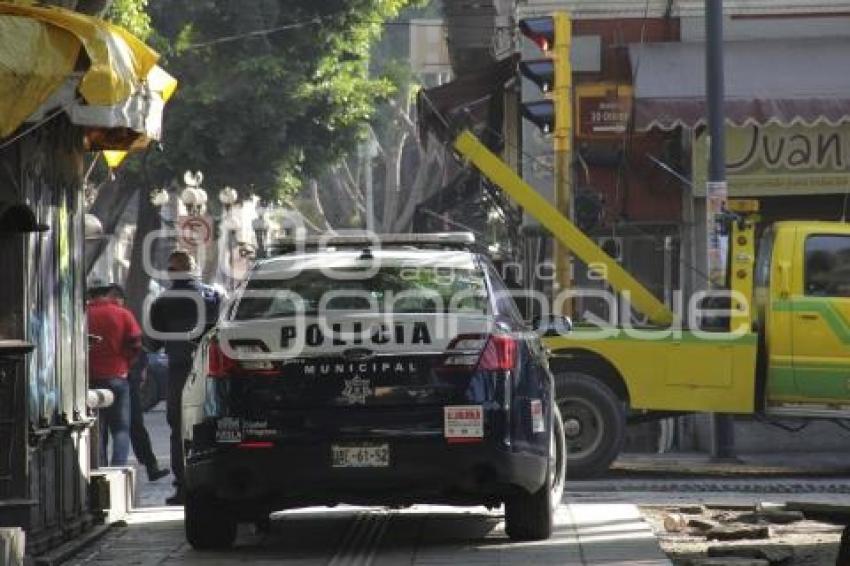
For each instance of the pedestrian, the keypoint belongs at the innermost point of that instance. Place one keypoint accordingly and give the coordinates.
(174, 318)
(139, 438)
(116, 343)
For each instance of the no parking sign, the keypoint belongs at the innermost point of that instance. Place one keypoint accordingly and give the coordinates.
(194, 231)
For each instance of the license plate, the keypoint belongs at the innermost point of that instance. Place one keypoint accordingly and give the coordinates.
(228, 430)
(360, 456)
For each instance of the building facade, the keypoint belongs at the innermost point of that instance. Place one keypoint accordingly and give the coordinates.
(640, 148)
(45, 422)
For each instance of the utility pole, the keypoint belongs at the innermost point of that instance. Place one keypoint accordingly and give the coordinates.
(716, 194)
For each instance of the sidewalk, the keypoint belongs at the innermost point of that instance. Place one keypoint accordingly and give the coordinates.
(586, 534)
(597, 533)
(612, 533)
(767, 464)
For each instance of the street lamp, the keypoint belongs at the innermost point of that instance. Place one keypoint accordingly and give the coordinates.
(227, 197)
(193, 196)
(261, 230)
(159, 197)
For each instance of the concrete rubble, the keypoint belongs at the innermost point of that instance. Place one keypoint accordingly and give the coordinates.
(718, 535)
(737, 532)
(776, 554)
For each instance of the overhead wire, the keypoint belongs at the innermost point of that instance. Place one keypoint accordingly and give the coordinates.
(319, 20)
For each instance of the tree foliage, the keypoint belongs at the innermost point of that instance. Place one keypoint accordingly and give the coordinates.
(265, 111)
(403, 172)
(131, 15)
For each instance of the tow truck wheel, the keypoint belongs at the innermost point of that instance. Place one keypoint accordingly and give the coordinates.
(208, 525)
(530, 516)
(594, 423)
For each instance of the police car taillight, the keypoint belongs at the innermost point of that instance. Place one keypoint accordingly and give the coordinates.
(492, 352)
(499, 354)
(464, 351)
(251, 357)
(218, 363)
(247, 363)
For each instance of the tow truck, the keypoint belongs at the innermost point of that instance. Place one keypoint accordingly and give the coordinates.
(779, 349)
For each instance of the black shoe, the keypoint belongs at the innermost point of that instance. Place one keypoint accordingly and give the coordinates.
(157, 473)
(179, 498)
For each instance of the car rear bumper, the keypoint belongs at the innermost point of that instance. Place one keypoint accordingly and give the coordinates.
(419, 471)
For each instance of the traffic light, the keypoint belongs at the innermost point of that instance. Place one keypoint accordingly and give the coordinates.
(541, 113)
(553, 75)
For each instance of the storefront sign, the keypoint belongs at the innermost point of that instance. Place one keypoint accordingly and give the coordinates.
(603, 110)
(776, 160)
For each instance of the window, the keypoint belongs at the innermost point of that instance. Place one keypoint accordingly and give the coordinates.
(763, 257)
(827, 269)
(505, 304)
(396, 289)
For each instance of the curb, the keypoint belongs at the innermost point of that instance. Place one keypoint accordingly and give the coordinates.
(69, 549)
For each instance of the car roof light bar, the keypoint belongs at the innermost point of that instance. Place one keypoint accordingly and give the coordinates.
(451, 240)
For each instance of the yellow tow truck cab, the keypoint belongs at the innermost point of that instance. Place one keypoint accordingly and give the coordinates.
(778, 344)
(803, 302)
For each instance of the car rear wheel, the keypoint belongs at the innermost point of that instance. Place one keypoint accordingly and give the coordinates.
(531, 516)
(208, 525)
(594, 423)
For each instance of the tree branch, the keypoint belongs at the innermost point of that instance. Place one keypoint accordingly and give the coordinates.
(428, 178)
(317, 202)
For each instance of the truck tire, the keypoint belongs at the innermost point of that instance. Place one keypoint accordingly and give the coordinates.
(531, 516)
(208, 525)
(594, 423)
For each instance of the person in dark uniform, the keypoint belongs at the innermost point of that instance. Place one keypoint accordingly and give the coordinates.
(140, 440)
(175, 314)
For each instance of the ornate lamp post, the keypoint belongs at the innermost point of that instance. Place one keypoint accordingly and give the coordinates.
(167, 209)
(159, 197)
(227, 197)
(261, 230)
(193, 196)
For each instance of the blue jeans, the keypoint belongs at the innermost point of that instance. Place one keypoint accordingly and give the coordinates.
(115, 418)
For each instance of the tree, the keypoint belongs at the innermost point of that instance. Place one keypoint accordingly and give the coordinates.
(272, 91)
(404, 172)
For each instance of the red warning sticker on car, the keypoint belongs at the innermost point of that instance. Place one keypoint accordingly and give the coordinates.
(463, 423)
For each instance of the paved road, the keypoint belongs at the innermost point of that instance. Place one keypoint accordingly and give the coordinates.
(609, 532)
(586, 534)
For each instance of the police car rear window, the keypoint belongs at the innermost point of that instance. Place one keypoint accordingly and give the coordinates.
(388, 289)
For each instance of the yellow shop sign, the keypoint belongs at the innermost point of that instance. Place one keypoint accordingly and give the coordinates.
(775, 160)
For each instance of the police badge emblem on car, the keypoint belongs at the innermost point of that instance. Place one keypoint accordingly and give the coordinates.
(356, 390)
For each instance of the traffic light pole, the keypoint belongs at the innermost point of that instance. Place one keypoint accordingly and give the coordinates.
(561, 96)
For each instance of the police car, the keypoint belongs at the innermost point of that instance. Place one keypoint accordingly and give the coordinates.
(358, 371)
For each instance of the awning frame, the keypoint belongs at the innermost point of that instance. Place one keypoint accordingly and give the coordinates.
(768, 81)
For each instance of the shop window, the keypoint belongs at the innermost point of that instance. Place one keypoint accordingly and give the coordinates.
(827, 270)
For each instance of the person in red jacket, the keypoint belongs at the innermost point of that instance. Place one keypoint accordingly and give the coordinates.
(116, 341)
